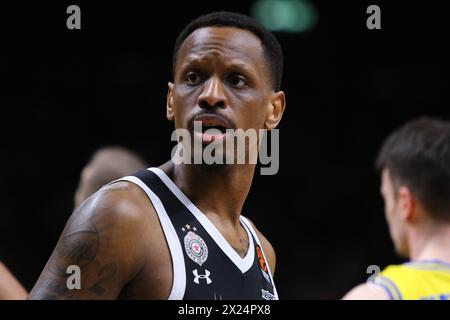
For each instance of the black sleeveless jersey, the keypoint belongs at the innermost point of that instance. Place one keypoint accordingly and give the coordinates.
(205, 266)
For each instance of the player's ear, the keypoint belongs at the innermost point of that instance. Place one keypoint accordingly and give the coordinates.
(407, 203)
(275, 110)
(169, 103)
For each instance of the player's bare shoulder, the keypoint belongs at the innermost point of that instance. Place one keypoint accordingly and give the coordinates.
(126, 199)
(120, 209)
(366, 291)
(106, 238)
(154, 278)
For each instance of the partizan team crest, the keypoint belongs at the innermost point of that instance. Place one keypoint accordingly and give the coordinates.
(195, 247)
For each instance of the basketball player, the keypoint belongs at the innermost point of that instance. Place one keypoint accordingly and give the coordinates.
(415, 167)
(10, 288)
(176, 232)
(107, 164)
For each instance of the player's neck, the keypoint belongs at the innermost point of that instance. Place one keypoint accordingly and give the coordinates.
(219, 193)
(431, 244)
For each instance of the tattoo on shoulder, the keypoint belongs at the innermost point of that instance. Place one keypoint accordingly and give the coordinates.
(107, 272)
(79, 245)
(79, 248)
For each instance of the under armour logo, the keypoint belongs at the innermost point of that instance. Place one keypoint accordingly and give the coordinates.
(202, 276)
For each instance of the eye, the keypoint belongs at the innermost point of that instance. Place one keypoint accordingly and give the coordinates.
(237, 81)
(192, 78)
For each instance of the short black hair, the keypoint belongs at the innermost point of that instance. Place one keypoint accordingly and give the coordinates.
(270, 44)
(417, 155)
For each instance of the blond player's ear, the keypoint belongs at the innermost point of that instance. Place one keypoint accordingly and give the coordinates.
(275, 110)
(169, 103)
(407, 203)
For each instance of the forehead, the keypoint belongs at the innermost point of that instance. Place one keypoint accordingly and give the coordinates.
(225, 42)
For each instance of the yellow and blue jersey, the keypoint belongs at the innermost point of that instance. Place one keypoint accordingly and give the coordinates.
(419, 280)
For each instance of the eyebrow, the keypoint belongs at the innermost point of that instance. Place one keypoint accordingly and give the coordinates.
(232, 64)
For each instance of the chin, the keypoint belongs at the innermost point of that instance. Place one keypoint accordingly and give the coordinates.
(214, 166)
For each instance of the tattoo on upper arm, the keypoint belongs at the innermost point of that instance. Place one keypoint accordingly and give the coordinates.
(106, 273)
(80, 246)
(56, 288)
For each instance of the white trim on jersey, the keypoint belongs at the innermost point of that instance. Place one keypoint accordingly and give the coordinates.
(176, 252)
(243, 264)
(253, 231)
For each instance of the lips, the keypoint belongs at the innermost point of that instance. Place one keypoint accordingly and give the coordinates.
(209, 122)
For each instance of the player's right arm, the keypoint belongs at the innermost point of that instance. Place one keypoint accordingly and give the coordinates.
(10, 287)
(104, 239)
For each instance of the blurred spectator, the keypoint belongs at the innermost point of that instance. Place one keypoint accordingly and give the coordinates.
(107, 164)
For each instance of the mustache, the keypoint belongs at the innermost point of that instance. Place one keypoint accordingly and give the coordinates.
(194, 117)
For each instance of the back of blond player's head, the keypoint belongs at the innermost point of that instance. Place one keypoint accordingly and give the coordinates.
(417, 155)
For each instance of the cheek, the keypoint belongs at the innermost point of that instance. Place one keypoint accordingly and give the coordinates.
(179, 119)
(389, 208)
(183, 103)
(394, 218)
(252, 111)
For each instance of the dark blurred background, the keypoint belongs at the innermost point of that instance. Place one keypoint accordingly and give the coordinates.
(65, 93)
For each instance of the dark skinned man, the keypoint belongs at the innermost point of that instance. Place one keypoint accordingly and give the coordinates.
(176, 232)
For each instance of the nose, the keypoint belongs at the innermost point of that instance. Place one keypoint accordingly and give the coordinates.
(213, 95)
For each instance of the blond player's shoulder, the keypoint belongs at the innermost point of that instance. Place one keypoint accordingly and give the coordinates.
(383, 287)
(367, 291)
